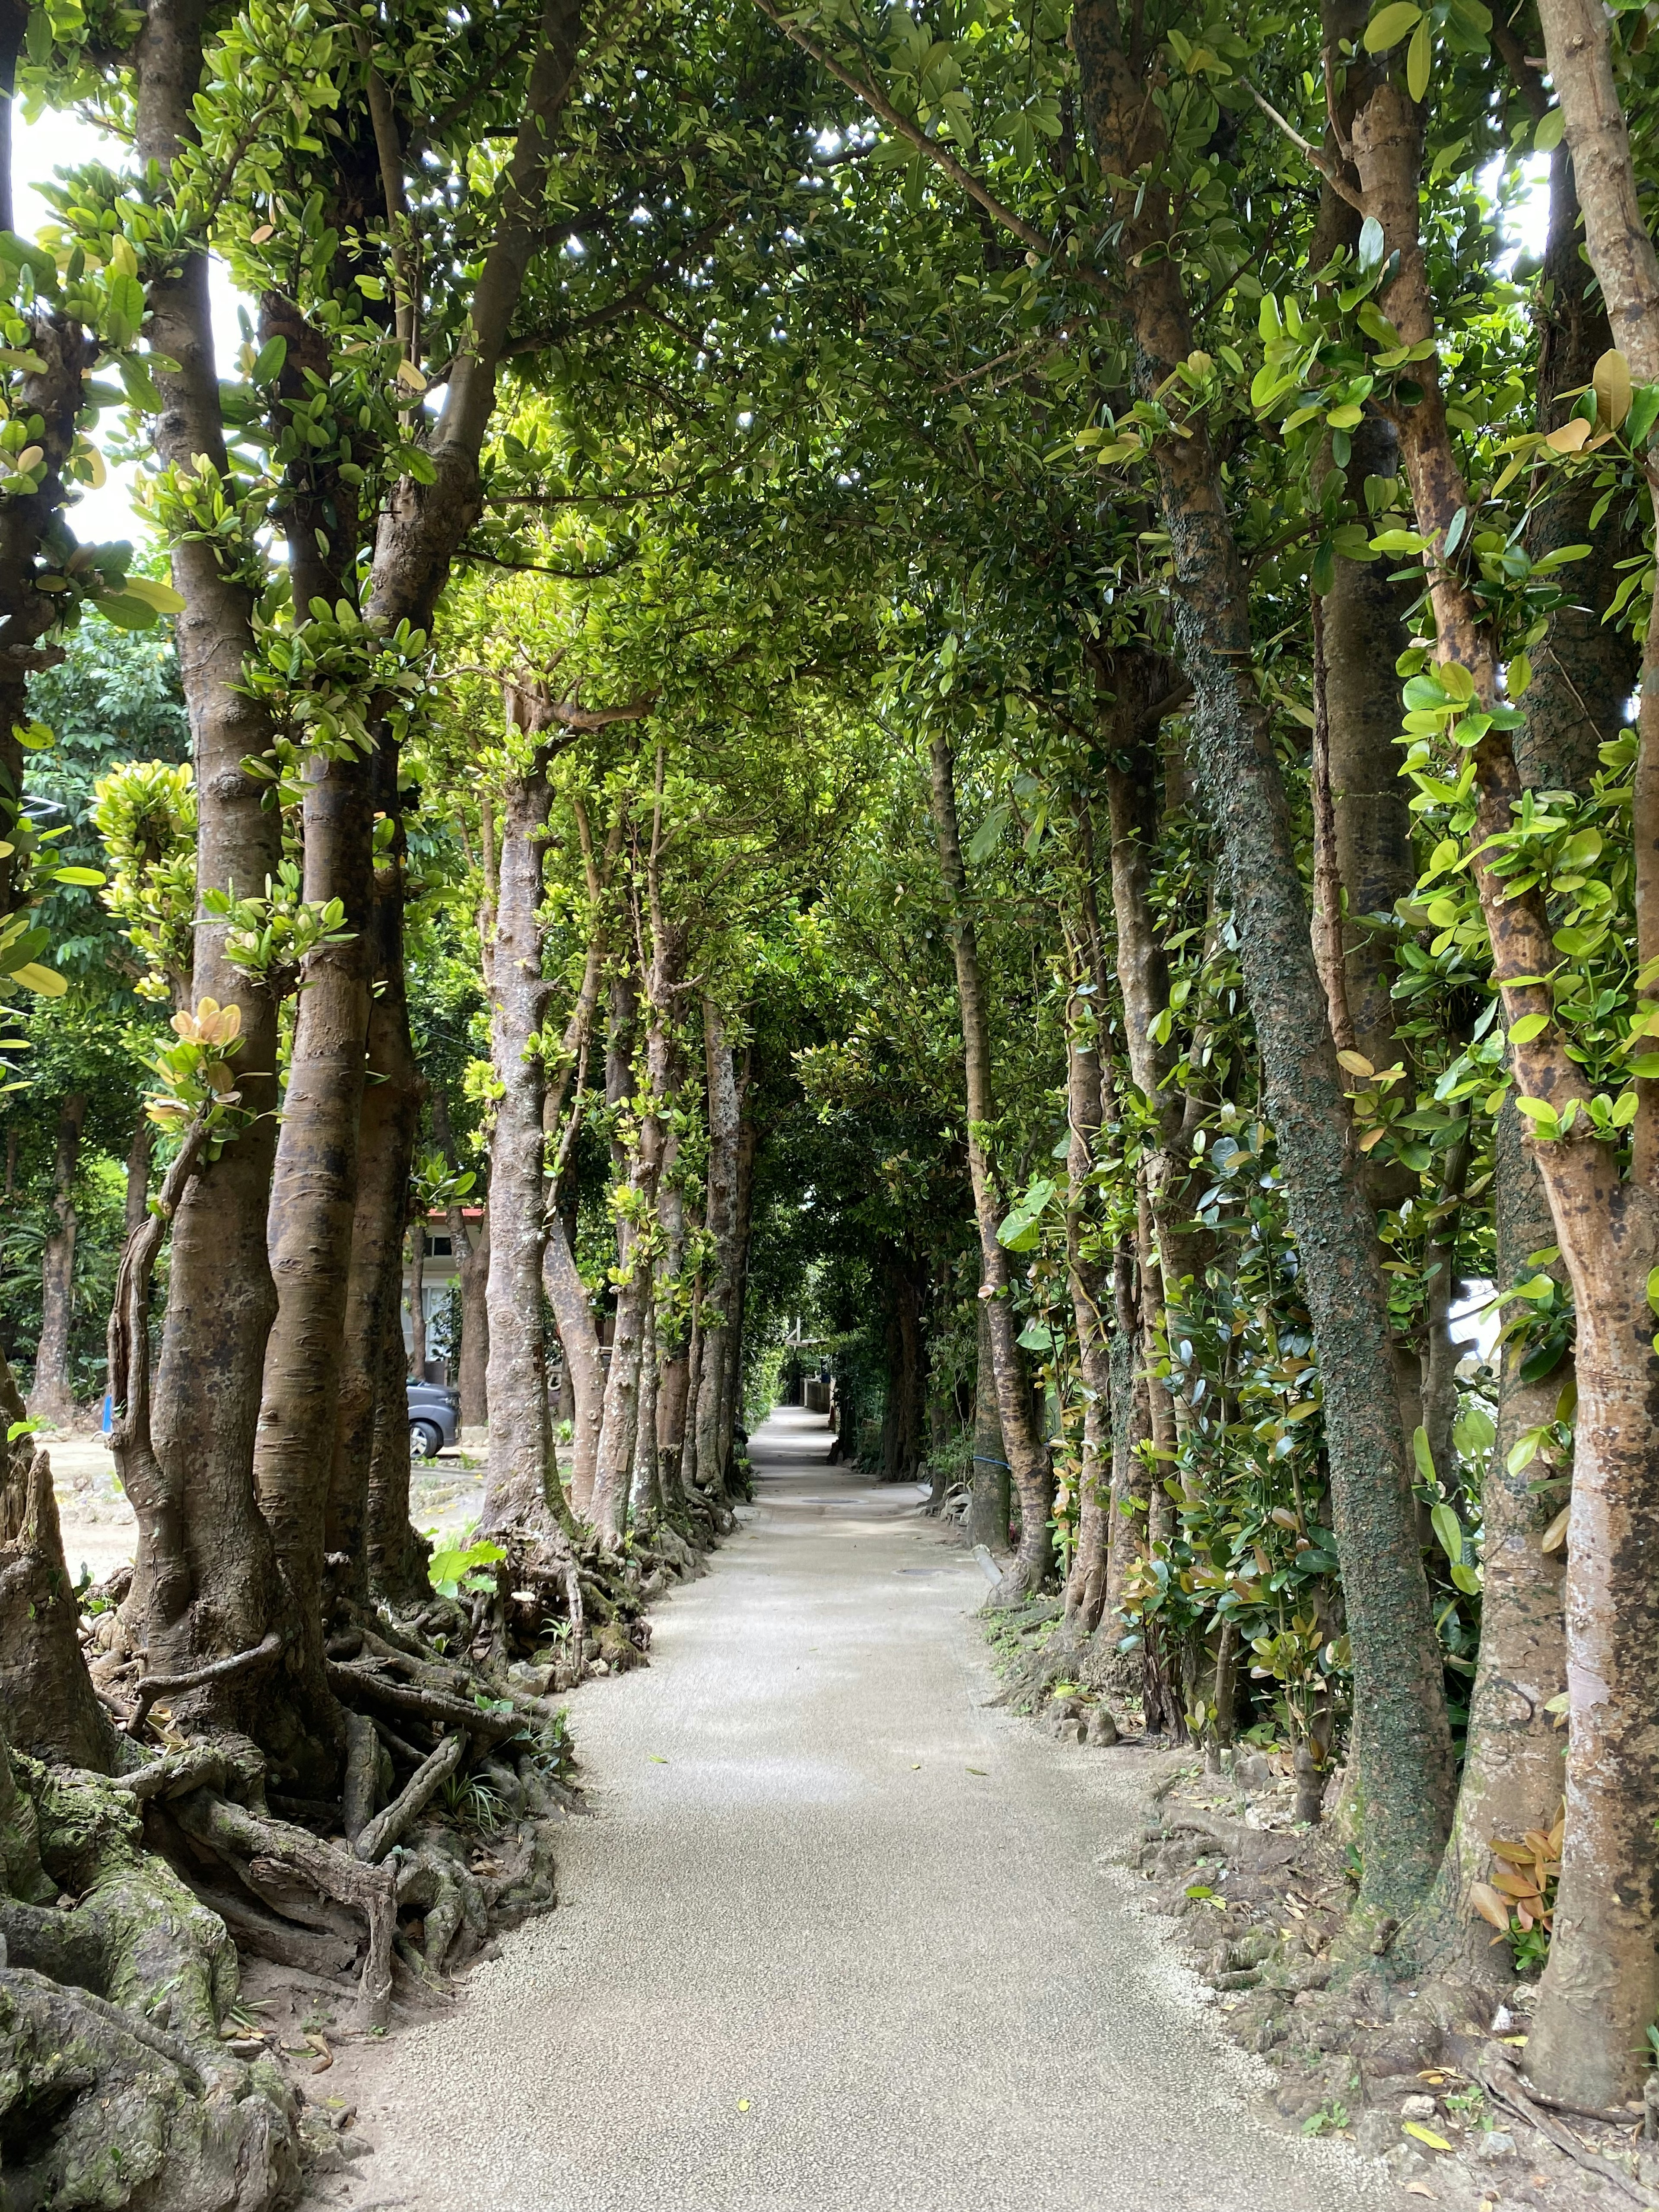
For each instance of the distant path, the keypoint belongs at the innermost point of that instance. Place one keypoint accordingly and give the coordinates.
(928, 1983)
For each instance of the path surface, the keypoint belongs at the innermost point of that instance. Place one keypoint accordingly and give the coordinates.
(826, 1881)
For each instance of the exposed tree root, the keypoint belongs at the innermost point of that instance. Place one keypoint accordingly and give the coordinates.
(129, 2074)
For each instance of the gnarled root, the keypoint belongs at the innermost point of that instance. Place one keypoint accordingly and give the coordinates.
(95, 2115)
(116, 2089)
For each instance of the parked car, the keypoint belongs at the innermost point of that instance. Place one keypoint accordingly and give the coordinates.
(434, 1418)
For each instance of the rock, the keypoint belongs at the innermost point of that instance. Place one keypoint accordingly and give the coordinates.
(1103, 1728)
(1493, 2142)
(1419, 2107)
(1405, 2046)
(1252, 1771)
(1270, 2033)
(1375, 2132)
(1408, 2163)
(1310, 1974)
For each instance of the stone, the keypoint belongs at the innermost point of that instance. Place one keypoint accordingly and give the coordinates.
(1417, 2108)
(1375, 2132)
(1252, 1771)
(1493, 2142)
(1103, 1728)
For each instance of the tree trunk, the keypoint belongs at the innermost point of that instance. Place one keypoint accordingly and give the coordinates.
(720, 1220)
(139, 1154)
(521, 1488)
(52, 1398)
(1404, 1738)
(473, 1254)
(366, 1461)
(416, 1300)
(647, 1494)
(742, 1214)
(584, 1365)
(1028, 1459)
(1085, 1588)
(1601, 1988)
(619, 1429)
(313, 1206)
(989, 1498)
(205, 1583)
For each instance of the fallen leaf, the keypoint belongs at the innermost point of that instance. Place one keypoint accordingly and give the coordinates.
(976, 1769)
(1416, 2188)
(1425, 2134)
(915, 1766)
(1519, 2041)
(743, 2104)
(655, 1762)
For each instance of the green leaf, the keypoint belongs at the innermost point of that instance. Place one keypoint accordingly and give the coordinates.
(1419, 56)
(161, 596)
(984, 840)
(1371, 243)
(90, 876)
(267, 367)
(44, 982)
(1548, 136)
(1529, 1027)
(1391, 24)
(1447, 1528)
(1422, 1455)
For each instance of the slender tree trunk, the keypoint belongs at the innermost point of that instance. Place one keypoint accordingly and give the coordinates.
(139, 1154)
(619, 1429)
(1404, 1738)
(365, 1411)
(312, 1206)
(689, 1476)
(720, 1217)
(988, 1497)
(584, 1366)
(416, 1300)
(1085, 1588)
(1601, 1989)
(671, 1320)
(522, 1488)
(742, 1209)
(647, 1470)
(473, 1255)
(1027, 1457)
(1131, 1434)
(52, 1398)
(205, 1584)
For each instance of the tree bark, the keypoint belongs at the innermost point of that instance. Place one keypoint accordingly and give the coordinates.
(52, 1398)
(139, 1154)
(725, 1118)
(989, 1499)
(1601, 1988)
(204, 1582)
(584, 1365)
(1027, 1457)
(365, 1459)
(416, 1300)
(619, 1429)
(1085, 1588)
(473, 1255)
(1404, 1738)
(522, 1488)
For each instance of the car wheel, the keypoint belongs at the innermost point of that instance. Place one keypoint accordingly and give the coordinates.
(425, 1441)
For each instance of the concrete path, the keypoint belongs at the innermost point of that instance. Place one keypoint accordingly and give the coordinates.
(840, 1939)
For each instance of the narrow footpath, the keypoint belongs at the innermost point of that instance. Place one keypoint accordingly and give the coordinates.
(839, 1937)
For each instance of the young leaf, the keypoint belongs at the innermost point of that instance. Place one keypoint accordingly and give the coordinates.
(1389, 25)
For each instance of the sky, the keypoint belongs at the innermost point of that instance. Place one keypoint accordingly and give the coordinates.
(64, 142)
